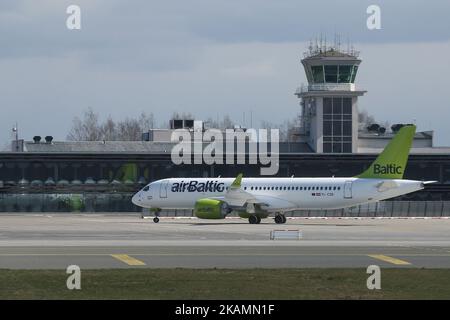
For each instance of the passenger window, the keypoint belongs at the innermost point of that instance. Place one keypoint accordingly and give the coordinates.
(146, 188)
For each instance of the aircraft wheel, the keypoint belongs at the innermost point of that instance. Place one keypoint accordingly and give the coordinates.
(284, 218)
(259, 220)
(253, 220)
(279, 219)
(155, 219)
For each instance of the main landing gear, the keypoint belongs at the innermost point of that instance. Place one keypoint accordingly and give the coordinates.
(280, 218)
(254, 219)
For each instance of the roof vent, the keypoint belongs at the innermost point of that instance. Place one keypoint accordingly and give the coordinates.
(37, 139)
(48, 139)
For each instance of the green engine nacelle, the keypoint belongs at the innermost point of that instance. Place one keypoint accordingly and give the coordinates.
(211, 209)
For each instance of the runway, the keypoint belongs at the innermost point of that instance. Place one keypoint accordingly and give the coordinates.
(54, 241)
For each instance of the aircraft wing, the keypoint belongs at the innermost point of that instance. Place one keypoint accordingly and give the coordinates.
(270, 203)
(236, 197)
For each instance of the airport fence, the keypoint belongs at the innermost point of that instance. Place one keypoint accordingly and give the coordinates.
(121, 203)
(67, 202)
(380, 209)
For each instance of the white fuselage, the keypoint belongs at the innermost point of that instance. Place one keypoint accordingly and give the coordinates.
(283, 194)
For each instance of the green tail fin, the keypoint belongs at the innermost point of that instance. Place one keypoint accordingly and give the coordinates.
(391, 163)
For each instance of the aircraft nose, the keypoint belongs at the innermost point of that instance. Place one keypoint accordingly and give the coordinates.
(136, 199)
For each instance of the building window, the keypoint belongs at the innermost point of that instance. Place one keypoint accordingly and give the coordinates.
(337, 125)
(317, 73)
(354, 70)
(345, 73)
(334, 73)
(331, 74)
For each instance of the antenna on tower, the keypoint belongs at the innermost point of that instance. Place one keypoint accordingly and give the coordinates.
(320, 44)
(339, 42)
(348, 44)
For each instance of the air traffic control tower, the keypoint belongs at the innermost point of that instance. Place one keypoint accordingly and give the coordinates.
(329, 118)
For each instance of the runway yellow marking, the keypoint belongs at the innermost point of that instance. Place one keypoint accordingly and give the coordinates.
(128, 260)
(389, 259)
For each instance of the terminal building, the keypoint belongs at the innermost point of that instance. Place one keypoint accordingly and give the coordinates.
(329, 141)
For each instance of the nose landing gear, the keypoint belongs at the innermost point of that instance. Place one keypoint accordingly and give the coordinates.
(156, 218)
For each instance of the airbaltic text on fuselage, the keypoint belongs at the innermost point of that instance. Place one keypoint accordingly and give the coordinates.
(387, 169)
(195, 186)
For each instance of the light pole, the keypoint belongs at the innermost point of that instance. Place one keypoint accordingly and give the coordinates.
(16, 133)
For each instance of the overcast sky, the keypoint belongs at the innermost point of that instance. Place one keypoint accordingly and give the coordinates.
(213, 57)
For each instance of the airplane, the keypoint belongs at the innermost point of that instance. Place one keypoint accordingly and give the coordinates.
(257, 198)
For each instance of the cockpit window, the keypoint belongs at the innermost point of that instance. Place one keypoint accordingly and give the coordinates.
(146, 188)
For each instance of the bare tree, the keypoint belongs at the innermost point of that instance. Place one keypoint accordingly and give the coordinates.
(146, 121)
(365, 120)
(87, 129)
(226, 123)
(129, 130)
(109, 130)
(213, 124)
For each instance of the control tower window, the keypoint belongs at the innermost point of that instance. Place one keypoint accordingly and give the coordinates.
(331, 73)
(355, 69)
(345, 73)
(337, 125)
(334, 74)
(317, 72)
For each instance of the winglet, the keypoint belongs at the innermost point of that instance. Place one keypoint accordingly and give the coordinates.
(237, 182)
